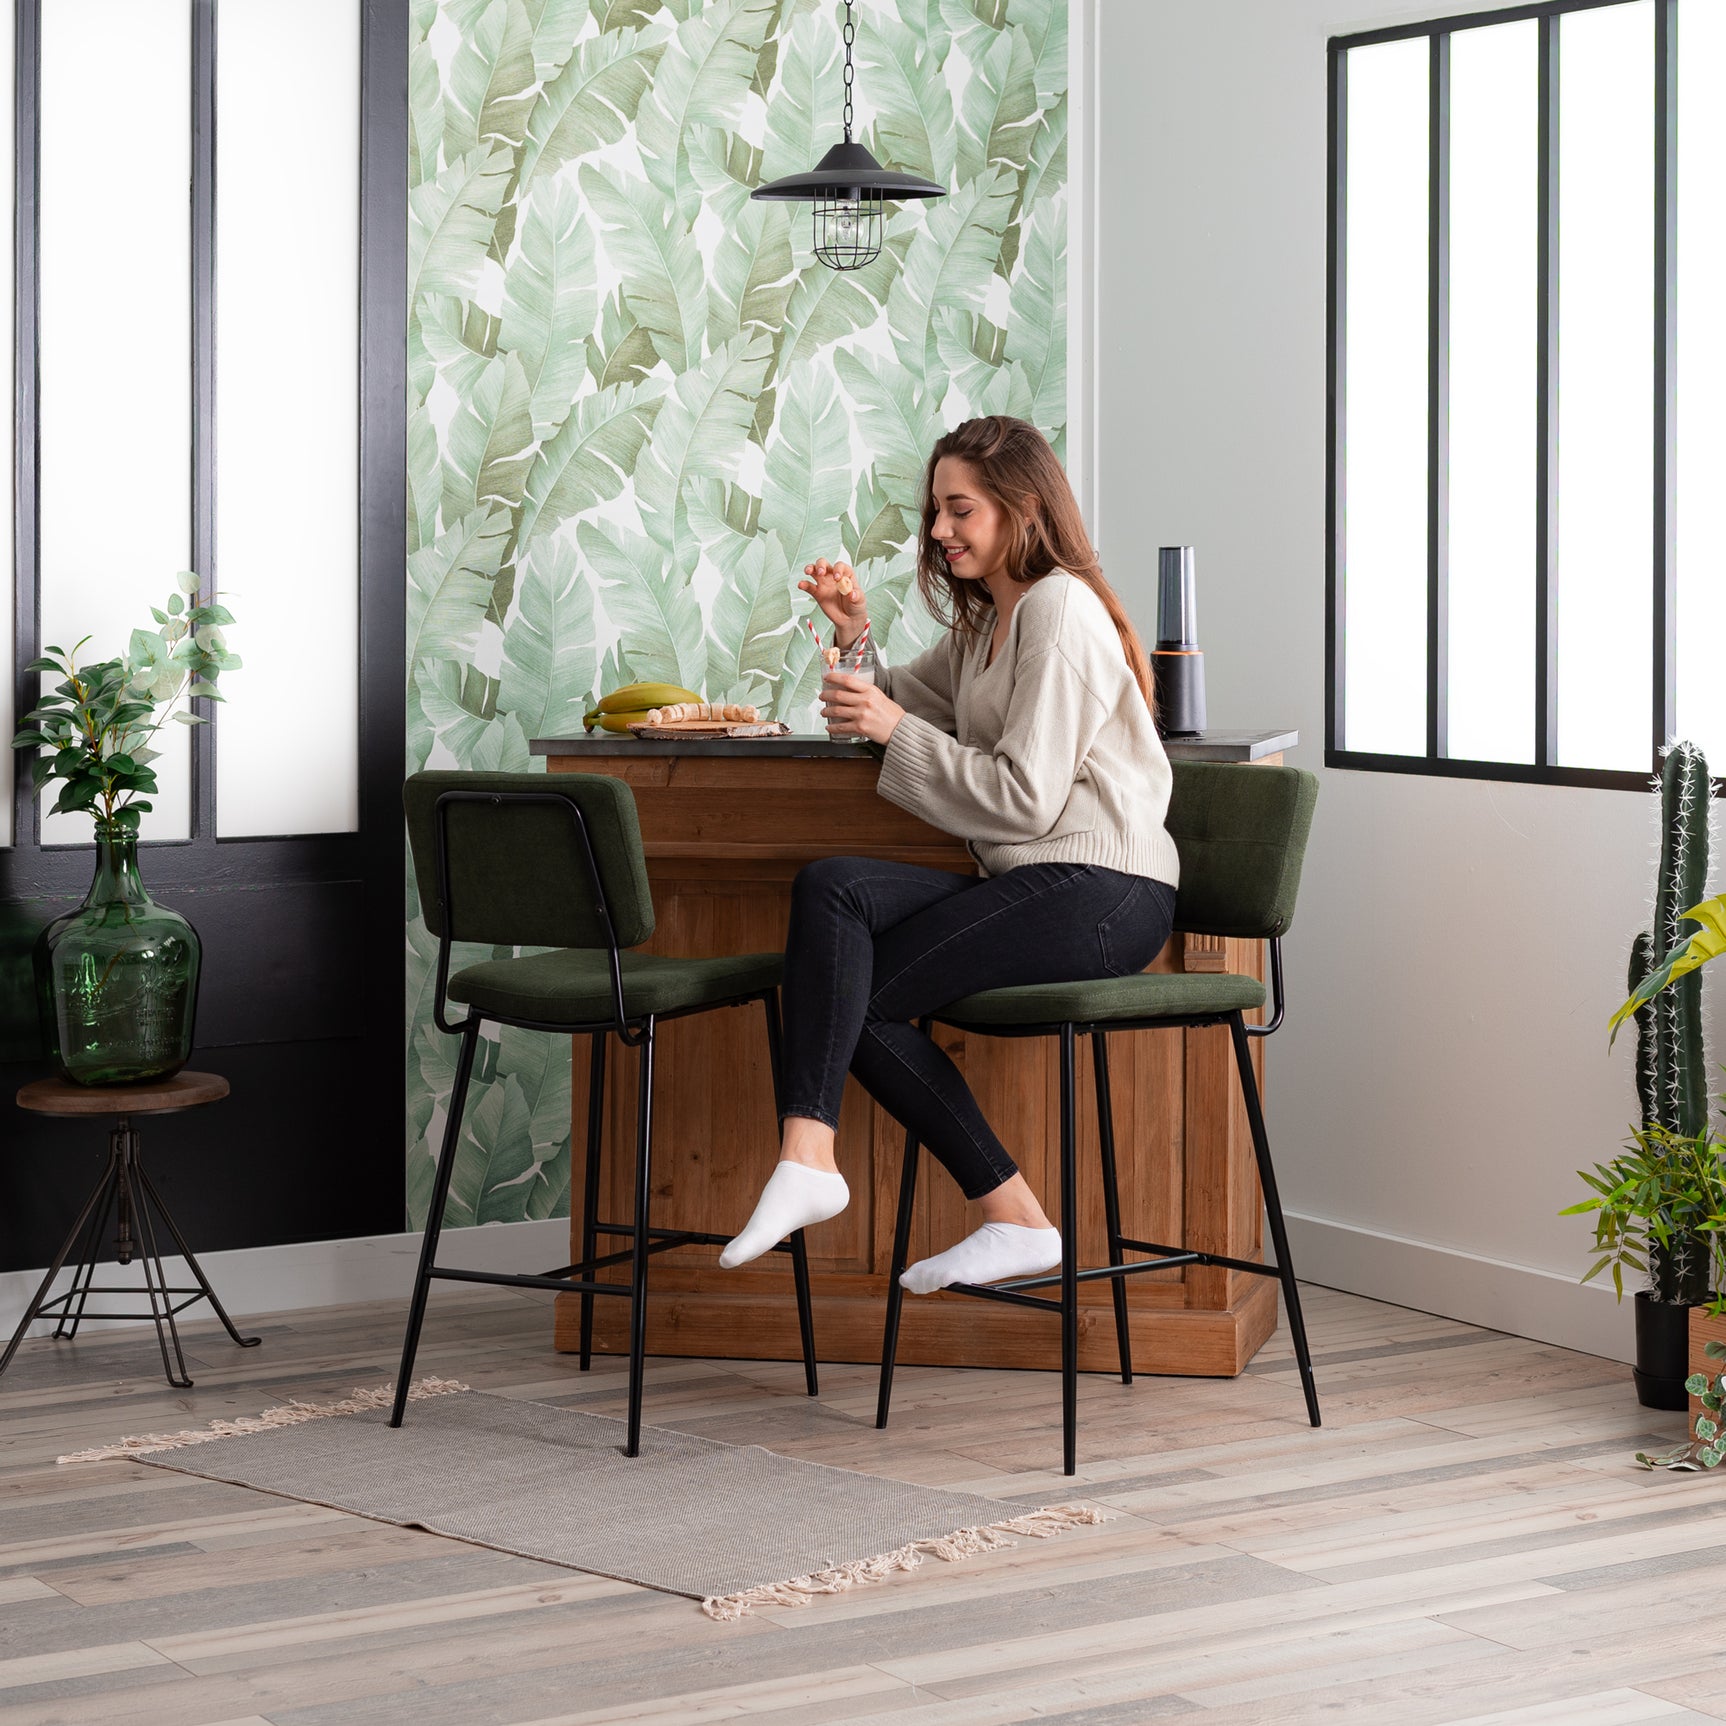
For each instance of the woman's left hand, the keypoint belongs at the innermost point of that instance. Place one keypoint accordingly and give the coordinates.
(852, 704)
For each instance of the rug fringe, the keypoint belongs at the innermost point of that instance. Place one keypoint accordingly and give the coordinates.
(290, 1413)
(1042, 1524)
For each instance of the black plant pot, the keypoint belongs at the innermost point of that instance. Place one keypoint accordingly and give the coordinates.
(1662, 1352)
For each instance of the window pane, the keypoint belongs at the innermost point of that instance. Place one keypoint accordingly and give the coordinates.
(287, 427)
(1702, 377)
(1606, 387)
(1383, 532)
(115, 352)
(1494, 284)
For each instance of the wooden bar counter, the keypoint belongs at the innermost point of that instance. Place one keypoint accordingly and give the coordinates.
(726, 827)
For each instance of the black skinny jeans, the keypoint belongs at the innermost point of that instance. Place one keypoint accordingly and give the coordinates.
(874, 946)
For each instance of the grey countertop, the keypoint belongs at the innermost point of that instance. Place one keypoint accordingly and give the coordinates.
(1230, 745)
(1208, 746)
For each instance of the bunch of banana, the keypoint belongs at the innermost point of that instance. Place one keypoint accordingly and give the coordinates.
(632, 704)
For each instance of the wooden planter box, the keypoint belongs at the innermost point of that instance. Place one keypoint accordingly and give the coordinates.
(1704, 1330)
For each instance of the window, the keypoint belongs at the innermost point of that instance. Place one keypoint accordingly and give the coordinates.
(190, 345)
(1526, 518)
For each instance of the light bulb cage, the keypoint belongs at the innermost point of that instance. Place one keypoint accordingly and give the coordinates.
(848, 231)
(849, 190)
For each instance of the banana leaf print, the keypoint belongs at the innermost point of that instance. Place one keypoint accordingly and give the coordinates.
(550, 302)
(638, 405)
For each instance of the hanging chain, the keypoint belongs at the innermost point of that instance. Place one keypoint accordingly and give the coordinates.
(850, 76)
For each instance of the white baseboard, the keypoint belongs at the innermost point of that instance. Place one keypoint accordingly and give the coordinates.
(1443, 1280)
(1461, 1285)
(308, 1273)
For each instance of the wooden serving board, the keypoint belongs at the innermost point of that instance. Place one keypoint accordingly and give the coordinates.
(698, 728)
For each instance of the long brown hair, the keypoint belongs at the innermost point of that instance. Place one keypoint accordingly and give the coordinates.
(1016, 467)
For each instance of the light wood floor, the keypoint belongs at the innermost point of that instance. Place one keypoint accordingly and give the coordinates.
(1467, 1540)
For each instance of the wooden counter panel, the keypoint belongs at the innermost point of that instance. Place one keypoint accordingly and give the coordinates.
(724, 839)
(936, 1330)
(722, 809)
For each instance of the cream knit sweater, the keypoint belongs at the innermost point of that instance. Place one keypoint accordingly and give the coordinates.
(1047, 756)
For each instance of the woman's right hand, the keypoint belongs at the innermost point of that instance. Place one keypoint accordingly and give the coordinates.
(836, 589)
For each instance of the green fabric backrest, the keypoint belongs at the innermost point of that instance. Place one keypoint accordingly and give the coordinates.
(1241, 832)
(518, 875)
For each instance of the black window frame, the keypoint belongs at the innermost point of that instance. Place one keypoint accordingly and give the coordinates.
(302, 986)
(32, 866)
(1435, 761)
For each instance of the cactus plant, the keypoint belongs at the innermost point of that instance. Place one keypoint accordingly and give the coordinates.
(1671, 1076)
(1647, 1091)
(1671, 1024)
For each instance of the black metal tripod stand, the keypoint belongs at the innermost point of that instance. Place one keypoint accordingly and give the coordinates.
(128, 1196)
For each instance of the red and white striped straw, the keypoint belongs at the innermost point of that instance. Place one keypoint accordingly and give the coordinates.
(862, 642)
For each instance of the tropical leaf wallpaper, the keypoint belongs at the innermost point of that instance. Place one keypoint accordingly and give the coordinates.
(638, 406)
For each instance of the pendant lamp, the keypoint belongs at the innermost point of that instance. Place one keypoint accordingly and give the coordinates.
(848, 189)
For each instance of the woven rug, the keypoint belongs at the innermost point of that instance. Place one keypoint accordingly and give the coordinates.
(733, 1526)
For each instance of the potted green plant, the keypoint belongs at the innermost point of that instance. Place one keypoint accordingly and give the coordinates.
(1660, 1206)
(1655, 1195)
(1707, 1322)
(117, 978)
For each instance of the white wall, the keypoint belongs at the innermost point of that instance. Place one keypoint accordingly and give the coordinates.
(1460, 944)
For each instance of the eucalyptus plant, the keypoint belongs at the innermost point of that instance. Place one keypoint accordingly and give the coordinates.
(1706, 1446)
(96, 723)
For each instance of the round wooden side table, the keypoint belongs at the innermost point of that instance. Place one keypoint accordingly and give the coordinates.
(128, 1193)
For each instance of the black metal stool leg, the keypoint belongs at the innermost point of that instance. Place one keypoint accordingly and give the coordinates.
(132, 1205)
(1112, 1198)
(638, 1259)
(805, 1312)
(1069, 1259)
(901, 1252)
(590, 1184)
(799, 1250)
(185, 1252)
(103, 1187)
(88, 1256)
(896, 1294)
(1274, 1212)
(434, 1216)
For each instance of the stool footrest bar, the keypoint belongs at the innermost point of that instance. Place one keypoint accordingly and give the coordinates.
(985, 1291)
(1101, 1273)
(45, 1310)
(622, 1258)
(561, 1285)
(1189, 1256)
(679, 1237)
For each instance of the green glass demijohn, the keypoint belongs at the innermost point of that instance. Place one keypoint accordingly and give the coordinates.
(117, 979)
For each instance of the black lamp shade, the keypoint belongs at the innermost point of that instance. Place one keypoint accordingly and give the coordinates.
(850, 173)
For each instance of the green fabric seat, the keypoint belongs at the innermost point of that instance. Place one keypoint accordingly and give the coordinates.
(1242, 838)
(1151, 995)
(573, 986)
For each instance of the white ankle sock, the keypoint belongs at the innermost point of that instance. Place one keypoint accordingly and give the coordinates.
(795, 1196)
(995, 1251)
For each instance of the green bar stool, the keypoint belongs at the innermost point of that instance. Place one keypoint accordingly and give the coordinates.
(537, 860)
(1241, 832)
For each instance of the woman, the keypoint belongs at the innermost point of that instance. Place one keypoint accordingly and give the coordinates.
(1027, 731)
